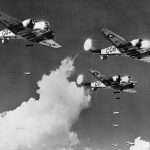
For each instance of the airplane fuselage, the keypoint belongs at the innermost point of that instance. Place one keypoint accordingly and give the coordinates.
(115, 85)
(144, 53)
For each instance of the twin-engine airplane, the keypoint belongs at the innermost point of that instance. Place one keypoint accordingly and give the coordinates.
(138, 48)
(117, 82)
(31, 30)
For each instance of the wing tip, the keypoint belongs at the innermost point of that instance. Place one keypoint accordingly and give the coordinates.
(55, 44)
(104, 29)
(58, 46)
(106, 32)
(90, 70)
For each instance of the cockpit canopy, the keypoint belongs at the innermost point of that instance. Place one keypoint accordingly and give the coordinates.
(137, 42)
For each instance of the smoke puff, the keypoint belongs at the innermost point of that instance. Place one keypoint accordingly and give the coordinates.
(140, 144)
(134, 42)
(45, 124)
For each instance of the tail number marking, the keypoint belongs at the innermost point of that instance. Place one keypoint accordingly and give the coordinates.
(111, 49)
(6, 32)
(98, 84)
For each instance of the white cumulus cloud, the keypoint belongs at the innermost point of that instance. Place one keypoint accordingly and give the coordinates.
(140, 144)
(45, 124)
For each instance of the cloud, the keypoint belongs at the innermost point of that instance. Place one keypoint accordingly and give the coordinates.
(140, 144)
(90, 148)
(45, 124)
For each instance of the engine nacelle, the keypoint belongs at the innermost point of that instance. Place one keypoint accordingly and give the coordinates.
(32, 24)
(43, 25)
(137, 43)
(104, 57)
(29, 23)
(125, 79)
(117, 78)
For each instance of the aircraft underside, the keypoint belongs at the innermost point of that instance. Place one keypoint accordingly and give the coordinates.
(145, 59)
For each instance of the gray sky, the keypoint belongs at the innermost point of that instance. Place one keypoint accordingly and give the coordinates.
(73, 21)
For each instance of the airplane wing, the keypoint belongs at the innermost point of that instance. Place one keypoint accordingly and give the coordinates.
(115, 39)
(50, 42)
(11, 23)
(17, 28)
(103, 78)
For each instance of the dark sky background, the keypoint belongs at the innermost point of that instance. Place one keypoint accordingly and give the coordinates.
(73, 21)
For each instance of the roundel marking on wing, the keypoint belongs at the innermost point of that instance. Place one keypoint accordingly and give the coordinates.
(110, 35)
(116, 42)
(95, 73)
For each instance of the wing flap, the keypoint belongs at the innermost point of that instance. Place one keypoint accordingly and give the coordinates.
(50, 42)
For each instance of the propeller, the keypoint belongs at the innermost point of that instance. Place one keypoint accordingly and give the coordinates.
(80, 79)
(88, 44)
